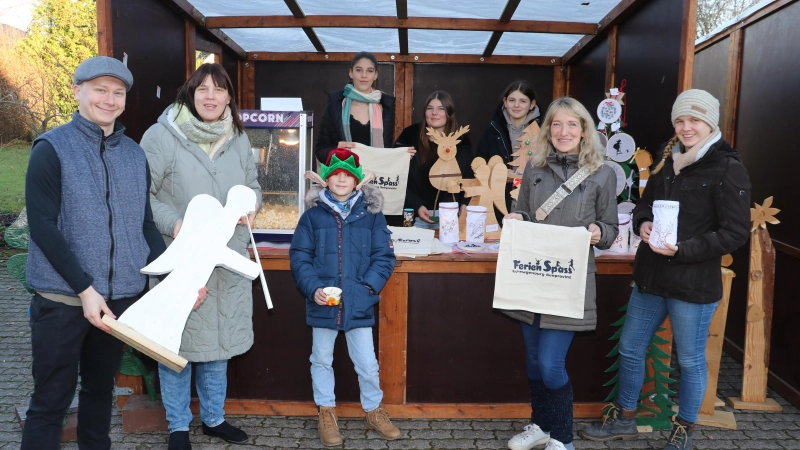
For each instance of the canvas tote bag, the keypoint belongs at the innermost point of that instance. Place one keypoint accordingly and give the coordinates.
(542, 269)
(390, 166)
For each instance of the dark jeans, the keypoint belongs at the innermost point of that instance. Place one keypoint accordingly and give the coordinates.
(65, 345)
(546, 353)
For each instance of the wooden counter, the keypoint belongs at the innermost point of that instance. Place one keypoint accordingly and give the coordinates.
(443, 351)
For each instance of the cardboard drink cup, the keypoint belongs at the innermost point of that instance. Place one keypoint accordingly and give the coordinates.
(334, 295)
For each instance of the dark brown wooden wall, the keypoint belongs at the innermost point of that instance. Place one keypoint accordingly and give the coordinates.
(311, 81)
(477, 90)
(648, 57)
(156, 55)
(587, 77)
(711, 72)
(765, 130)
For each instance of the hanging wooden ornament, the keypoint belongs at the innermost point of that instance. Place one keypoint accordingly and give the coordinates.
(445, 171)
(609, 110)
(527, 147)
(643, 160)
(621, 177)
(620, 147)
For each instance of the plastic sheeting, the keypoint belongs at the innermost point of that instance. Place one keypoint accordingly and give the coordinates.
(376, 40)
(747, 13)
(419, 41)
(270, 39)
(536, 44)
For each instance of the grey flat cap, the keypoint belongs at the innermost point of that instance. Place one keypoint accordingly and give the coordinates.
(101, 66)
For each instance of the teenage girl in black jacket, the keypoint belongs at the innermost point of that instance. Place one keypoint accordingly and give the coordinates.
(440, 115)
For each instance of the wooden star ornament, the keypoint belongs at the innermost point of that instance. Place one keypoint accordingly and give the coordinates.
(760, 215)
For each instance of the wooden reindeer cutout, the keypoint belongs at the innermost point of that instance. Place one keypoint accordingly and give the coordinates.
(445, 173)
(643, 161)
(527, 147)
(488, 190)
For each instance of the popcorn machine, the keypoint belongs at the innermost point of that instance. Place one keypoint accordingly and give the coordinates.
(282, 147)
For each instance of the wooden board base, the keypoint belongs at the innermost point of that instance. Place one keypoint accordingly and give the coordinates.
(644, 429)
(768, 405)
(145, 345)
(720, 419)
(718, 403)
(141, 415)
(407, 411)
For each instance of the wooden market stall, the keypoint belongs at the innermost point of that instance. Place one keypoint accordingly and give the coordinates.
(751, 65)
(443, 351)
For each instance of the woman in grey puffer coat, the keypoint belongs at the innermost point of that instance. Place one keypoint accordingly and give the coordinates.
(198, 147)
(568, 142)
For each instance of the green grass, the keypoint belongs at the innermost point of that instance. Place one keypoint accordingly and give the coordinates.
(13, 165)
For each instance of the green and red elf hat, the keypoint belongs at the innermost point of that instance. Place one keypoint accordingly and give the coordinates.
(341, 160)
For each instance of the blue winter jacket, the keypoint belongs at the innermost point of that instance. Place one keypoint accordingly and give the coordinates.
(353, 254)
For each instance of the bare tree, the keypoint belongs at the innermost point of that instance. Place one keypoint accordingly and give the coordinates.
(713, 13)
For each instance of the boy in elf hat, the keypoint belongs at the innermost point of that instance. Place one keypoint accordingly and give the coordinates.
(342, 241)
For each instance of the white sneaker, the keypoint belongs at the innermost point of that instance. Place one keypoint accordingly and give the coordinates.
(531, 437)
(553, 444)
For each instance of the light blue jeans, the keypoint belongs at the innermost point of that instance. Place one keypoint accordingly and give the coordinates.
(690, 322)
(362, 353)
(211, 381)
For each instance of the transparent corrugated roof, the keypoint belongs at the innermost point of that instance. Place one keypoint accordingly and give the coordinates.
(729, 23)
(216, 8)
(487, 9)
(535, 44)
(448, 41)
(419, 41)
(271, 39)
(564, 10)
(348, 7)
(375, 40)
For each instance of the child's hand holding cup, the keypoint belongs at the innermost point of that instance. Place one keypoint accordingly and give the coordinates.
(333, 296)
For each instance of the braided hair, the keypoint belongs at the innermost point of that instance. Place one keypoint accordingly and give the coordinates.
(667, 152)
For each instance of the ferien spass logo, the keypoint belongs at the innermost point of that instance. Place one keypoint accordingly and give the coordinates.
(546, 268)
(387, 183)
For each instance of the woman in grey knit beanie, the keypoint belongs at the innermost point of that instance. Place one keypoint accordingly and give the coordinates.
(701, 172)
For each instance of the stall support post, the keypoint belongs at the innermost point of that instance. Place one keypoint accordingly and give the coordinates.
(392, 338)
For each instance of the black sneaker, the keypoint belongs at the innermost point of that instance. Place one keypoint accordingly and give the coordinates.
(681, 436)
(179, 440)
(226, 432)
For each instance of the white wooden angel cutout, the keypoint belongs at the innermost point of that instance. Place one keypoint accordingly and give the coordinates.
(155, 323)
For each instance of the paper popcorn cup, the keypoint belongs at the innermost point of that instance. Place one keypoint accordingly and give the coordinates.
(334, 295)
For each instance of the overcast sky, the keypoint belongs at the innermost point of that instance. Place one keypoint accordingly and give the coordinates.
(16, 13)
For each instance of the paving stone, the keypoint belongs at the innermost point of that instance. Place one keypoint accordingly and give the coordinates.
(271, 441)
(410, 444)
(713, 444)
(454, 443)
(450, 425)
(473, 434)
(307, 443)
(493, 426)
(430, 434)
(365, 443)
(407, 424)
(372, 434)
(790, 444)
(490, 444)
(757, 444)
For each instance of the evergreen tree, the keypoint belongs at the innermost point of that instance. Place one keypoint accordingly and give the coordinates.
(62, 34)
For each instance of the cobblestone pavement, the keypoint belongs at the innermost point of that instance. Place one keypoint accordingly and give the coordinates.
(756, 430)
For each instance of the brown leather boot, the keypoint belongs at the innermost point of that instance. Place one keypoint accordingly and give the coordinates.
(328, 427)
(378, 420)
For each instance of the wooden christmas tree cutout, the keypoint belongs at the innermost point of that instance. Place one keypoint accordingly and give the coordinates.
(445, 173)
(527, 147)
(154, 324)
(758, 327)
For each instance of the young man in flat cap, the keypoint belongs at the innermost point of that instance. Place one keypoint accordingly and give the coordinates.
(92, 230)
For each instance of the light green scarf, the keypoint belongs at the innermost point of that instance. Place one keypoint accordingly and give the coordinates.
(207, 136)
(375, 114)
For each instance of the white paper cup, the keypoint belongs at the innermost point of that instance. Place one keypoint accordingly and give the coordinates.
(448, 222)
(665, 223)
(476, 224)
(334, 295)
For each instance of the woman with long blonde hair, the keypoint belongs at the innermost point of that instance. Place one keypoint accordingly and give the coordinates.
(567, 144)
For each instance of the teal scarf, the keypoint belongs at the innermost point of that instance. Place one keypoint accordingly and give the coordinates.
(375, 115)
